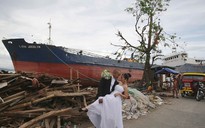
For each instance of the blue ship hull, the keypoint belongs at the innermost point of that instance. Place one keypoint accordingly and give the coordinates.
(55, 60)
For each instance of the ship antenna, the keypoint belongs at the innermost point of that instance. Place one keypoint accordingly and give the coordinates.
(49, 38)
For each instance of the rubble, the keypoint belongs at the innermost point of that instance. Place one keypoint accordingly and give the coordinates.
(44, 101)
(139, 104)
(30, 100)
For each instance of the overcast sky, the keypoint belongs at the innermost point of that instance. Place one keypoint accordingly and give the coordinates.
(92, 24)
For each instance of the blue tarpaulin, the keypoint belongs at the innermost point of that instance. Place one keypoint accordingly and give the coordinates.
(167, 70)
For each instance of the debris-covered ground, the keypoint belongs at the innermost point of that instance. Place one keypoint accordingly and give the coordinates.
(31, 100)
(139, 104)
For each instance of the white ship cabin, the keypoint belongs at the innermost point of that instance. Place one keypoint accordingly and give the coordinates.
(177, 59)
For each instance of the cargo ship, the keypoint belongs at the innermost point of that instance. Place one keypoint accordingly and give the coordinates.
(65, 62)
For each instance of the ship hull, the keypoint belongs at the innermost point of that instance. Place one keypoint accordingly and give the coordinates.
(49, 59)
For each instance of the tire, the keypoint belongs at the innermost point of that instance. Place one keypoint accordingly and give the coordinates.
(182, 94)
(198, 96)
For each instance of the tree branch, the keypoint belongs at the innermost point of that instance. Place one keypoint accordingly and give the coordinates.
(126, 42)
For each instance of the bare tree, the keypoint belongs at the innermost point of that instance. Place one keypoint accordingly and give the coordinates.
(149, 31)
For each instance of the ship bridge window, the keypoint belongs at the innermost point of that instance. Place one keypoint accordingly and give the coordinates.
(10, 42)
(198, 60)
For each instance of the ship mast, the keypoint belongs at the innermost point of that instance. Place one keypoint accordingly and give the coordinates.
(49, 38)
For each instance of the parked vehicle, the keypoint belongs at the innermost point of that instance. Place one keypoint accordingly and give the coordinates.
(200, 91)
(191, 82)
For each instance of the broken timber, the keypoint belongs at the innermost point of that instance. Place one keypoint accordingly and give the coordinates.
(28, 100)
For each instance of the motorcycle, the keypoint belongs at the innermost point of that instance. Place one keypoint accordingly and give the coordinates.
(200, 94)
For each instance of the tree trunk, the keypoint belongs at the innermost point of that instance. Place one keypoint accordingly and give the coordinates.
(147, 69)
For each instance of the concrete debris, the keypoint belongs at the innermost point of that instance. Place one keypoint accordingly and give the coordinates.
(139, 104)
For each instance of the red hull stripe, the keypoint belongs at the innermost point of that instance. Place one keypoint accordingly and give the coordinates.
(70, 71)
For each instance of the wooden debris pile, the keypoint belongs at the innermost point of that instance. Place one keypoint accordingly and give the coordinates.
(30, 100)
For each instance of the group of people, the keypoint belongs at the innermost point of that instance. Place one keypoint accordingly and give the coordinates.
(106, 111)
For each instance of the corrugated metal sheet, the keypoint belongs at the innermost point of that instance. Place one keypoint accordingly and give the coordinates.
(190, 68)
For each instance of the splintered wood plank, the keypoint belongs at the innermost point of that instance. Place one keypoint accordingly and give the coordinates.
(46, 115)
